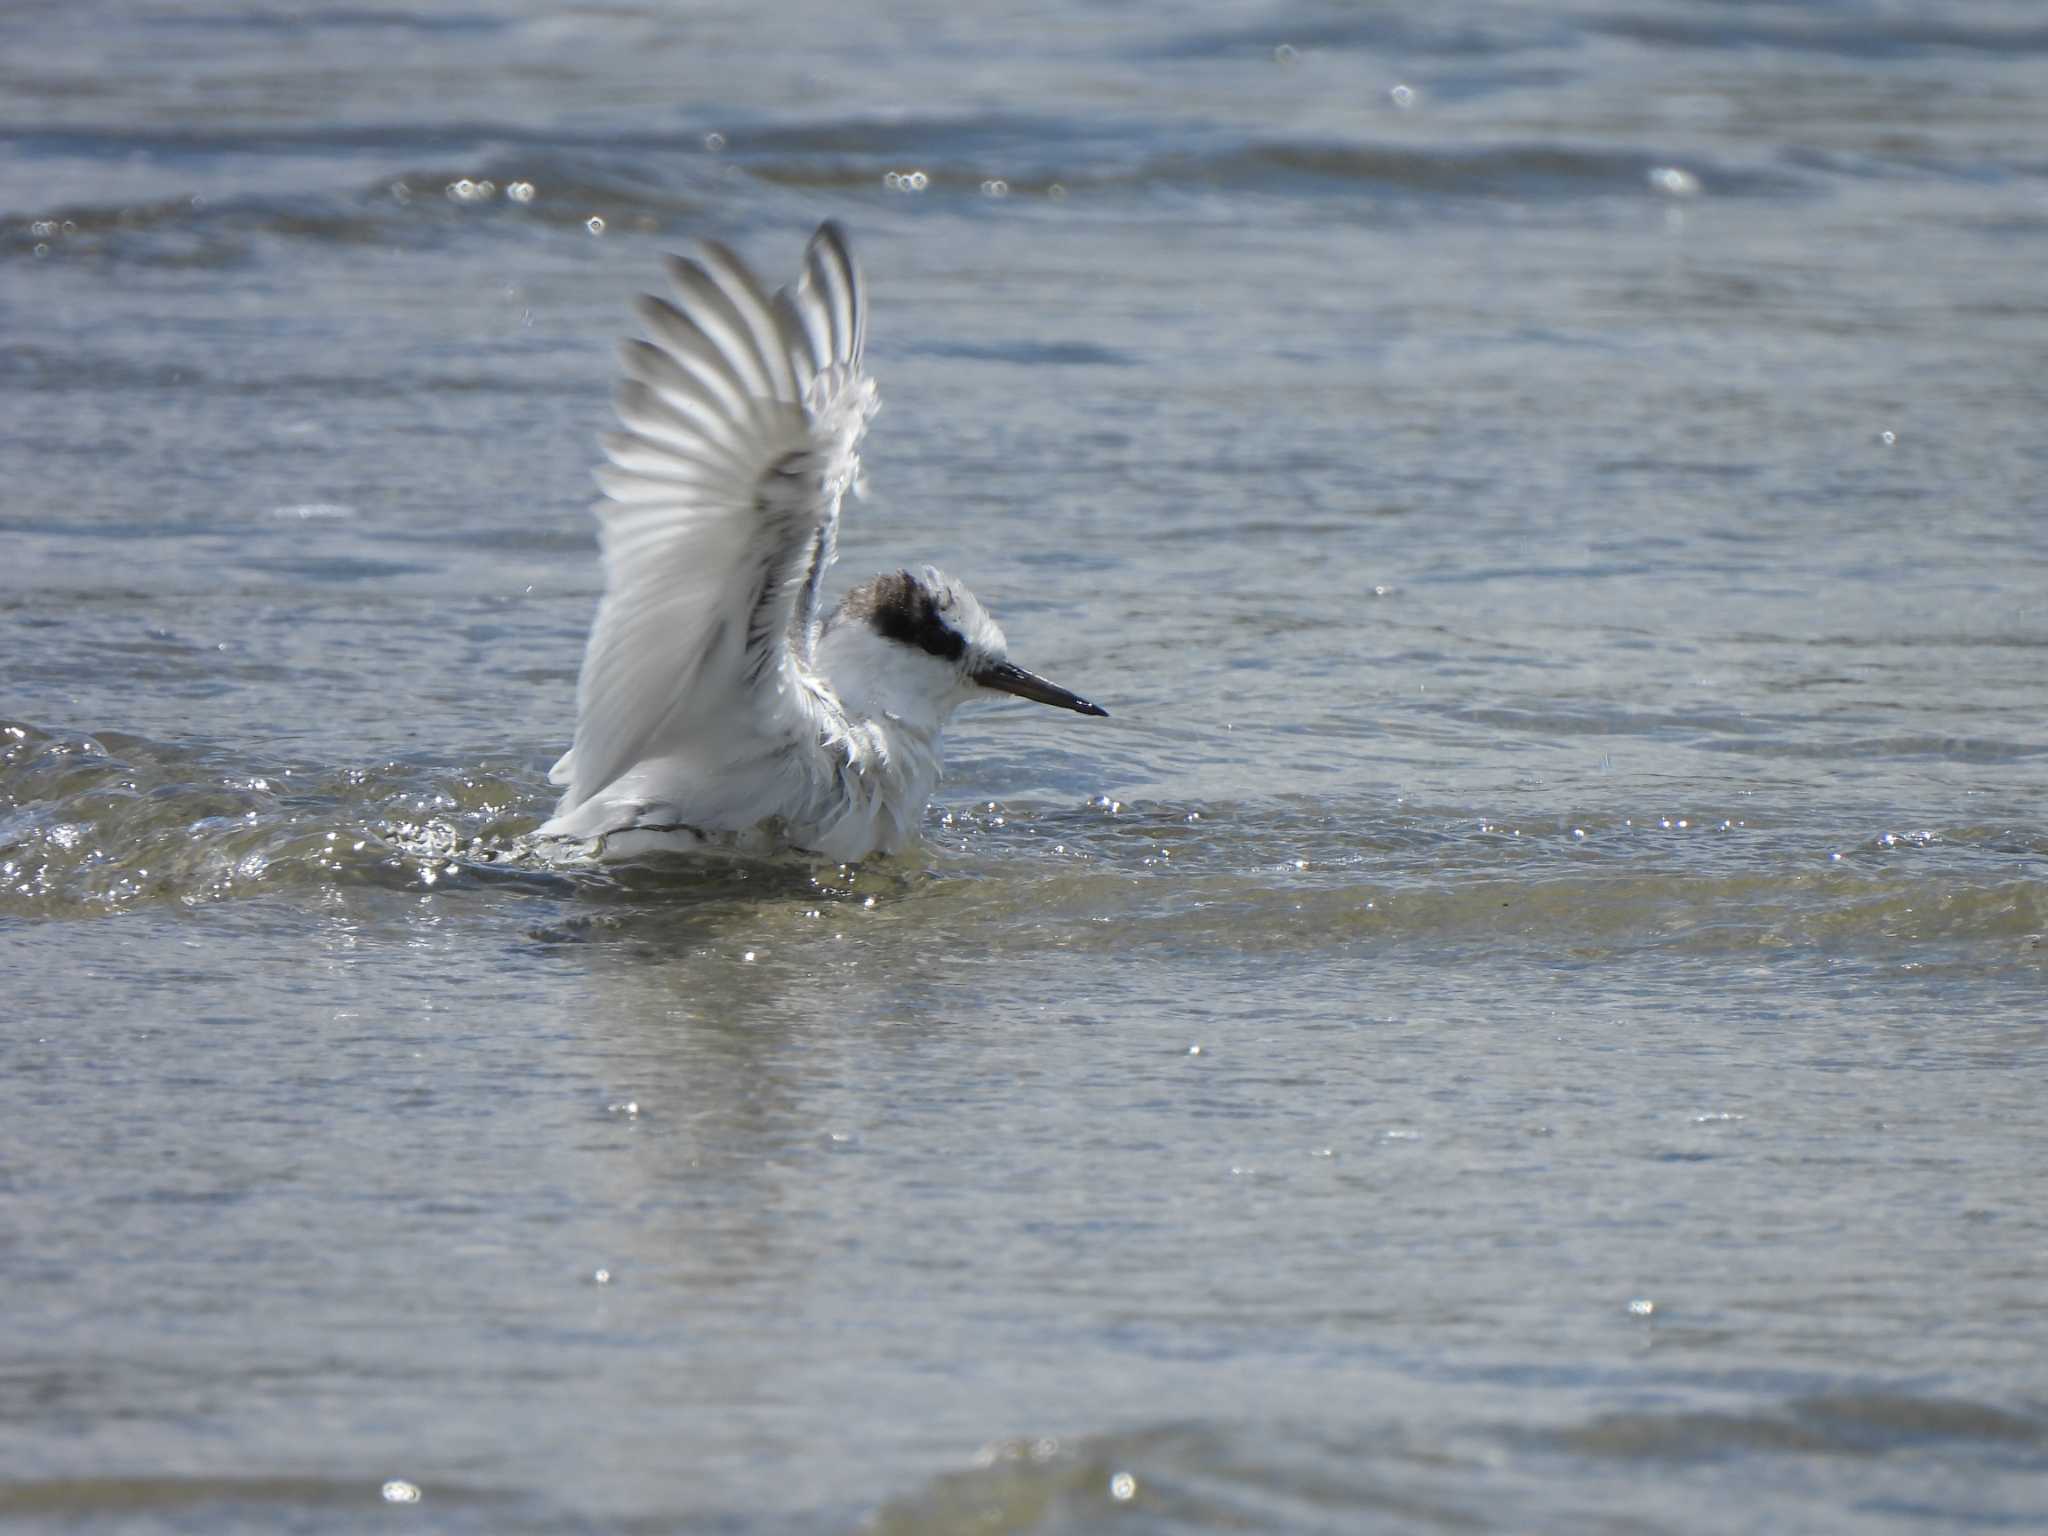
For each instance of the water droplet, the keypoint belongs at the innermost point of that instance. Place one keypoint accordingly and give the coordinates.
(748, 957)
(399, 1491)
(995, 187)
(714, 141)
(1642, 1306)
(600, 1277)
(1673, 182)
(1402, 96)
(594, 224)
(1123, 1487)
(1887, 437)
(1285, 54)
(1194, 1050)
(520, 191)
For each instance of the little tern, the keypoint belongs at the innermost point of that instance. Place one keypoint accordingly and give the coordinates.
(718, 702)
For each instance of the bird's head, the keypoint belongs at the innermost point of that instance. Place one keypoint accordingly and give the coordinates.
(917, 644)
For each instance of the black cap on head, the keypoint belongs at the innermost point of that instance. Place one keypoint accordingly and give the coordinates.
(904, 609)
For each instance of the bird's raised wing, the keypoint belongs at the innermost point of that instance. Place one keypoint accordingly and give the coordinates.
(743, 417)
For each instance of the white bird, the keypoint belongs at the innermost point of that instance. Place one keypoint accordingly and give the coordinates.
(718, 702)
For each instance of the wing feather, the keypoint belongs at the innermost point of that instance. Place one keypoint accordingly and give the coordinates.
(742, 418)
(832, 277)
(714, 313)
(693, 350)
(809, 350)
(824, 314)
(756, 312)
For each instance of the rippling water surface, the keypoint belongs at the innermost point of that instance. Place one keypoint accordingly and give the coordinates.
(1531, 1014)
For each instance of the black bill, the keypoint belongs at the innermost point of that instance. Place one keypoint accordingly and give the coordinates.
(1005, 677)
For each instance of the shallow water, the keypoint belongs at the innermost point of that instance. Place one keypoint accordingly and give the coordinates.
(1528, 1016)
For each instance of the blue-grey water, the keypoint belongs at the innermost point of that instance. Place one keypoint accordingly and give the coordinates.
(1532, 1015)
